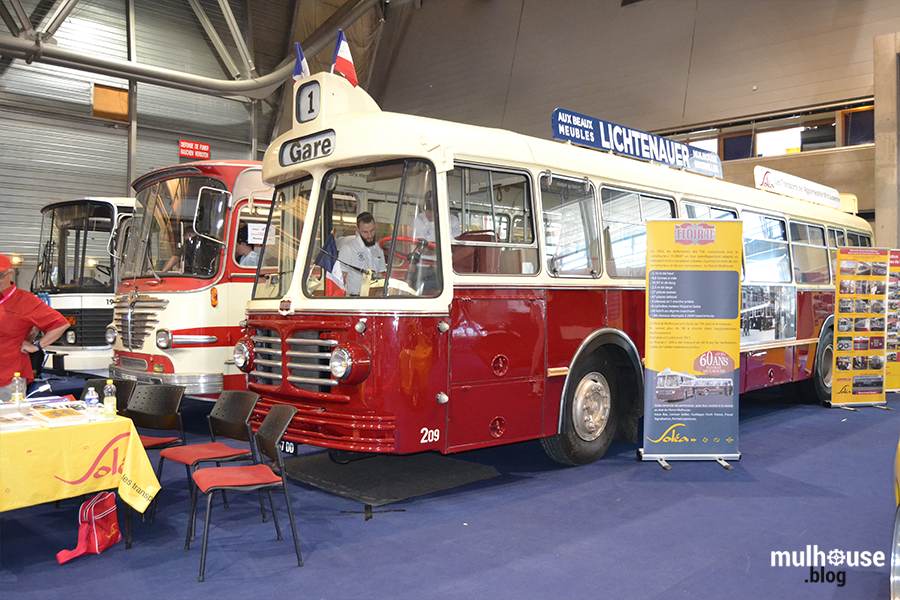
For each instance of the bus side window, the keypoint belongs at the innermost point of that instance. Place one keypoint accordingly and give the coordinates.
(859, 240)
(624, 232)
(495, 211)
(810, 253)
(766, 254)
(571, 227)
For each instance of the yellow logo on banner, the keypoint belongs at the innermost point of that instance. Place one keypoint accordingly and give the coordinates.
(672, 435)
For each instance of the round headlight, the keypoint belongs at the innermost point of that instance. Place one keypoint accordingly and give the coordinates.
(111, 335)
(242, 356)
(341, 363)
(163, 338)
(350, 363)
(70, 336)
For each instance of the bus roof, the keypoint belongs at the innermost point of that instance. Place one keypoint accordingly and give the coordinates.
(198, 167)
(379, 135)
(119, 203)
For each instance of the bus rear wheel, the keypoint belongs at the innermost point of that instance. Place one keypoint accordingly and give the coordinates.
(589, 414)
(818, 388)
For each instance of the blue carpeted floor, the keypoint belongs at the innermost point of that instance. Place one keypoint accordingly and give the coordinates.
(616, 529)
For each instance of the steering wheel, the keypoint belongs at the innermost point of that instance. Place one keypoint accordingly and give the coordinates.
(405, 257)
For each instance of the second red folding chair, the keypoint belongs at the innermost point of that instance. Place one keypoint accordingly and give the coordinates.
(230, 417)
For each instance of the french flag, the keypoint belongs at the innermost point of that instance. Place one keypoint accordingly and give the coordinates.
(343, 62)
(301, 67)
(334, 276)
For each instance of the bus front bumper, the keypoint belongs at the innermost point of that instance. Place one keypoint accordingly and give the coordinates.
(193, 383)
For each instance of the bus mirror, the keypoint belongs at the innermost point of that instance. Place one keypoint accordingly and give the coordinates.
(210, 214)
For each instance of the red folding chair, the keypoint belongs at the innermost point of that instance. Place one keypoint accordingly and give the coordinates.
(249, 478)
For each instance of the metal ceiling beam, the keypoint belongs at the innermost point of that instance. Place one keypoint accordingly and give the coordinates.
(7, 18)
(215, 39)
(260, 87)
(27, 27)
(238, 38)
(59, 17)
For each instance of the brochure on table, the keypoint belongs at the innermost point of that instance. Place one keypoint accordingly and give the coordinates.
(692, 355)
(53, 411)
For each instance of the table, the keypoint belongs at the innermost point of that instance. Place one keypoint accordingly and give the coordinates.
(53, 463)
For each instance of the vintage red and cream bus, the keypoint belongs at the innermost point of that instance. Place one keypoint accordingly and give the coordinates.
(186, 274)
(76, 275)
(512, 304)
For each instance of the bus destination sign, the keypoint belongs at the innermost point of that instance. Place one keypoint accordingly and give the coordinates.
(594, 133)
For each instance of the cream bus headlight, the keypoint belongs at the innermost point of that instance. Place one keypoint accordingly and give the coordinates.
(163, 339)
(243, 356)
(350, 363)
(70, 336)
(111, 335)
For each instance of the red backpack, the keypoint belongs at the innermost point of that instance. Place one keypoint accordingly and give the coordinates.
(98, 527)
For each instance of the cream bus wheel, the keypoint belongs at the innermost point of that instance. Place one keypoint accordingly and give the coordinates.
(589, 414)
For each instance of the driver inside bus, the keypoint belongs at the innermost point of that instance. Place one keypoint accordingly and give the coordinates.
(362, 253)
(176, 261)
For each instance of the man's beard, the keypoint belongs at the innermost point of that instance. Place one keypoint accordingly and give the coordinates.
(368, 243)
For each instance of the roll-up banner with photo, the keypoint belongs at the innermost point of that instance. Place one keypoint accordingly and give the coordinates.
(692, 354)
(860, 342)
(892, 363)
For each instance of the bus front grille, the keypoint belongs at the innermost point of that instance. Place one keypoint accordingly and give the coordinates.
(88, 325)
(267, 364)
(136, 317)
(308, 361)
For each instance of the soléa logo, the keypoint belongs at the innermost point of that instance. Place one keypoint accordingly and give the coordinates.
(820, 562)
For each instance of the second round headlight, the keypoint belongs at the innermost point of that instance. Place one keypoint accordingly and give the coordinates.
(341, 363)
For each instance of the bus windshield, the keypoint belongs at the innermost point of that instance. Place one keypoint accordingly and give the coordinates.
(375, 235)
(74, 255)
(178, 229)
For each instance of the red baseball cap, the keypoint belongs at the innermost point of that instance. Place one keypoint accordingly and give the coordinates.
(5, 263)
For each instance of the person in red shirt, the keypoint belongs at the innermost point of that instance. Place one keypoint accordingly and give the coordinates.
(19, 312)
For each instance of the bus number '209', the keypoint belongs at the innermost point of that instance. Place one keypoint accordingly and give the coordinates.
(430, 435)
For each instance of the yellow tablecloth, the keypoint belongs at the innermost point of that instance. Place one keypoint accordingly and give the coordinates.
(47, 464)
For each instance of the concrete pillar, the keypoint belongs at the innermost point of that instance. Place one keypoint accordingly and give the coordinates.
(887, 133)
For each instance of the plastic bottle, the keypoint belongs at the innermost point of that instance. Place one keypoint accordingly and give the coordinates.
(93, 404)
(109, 400)
(18, 388)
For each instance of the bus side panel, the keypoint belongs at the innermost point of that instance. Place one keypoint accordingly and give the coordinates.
(572, 315)
(626, 310)
(410, 357)
(813, 307)
(765, 368)
(496, 366)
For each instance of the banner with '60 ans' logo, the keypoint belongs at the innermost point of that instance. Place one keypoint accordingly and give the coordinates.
(692, 354)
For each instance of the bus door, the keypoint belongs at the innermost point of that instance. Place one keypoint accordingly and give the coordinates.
(498, 347)
(496, 366)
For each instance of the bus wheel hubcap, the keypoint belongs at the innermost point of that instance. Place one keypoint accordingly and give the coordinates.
(590, 410)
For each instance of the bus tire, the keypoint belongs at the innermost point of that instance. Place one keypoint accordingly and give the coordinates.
(818, 387)
(589, 414)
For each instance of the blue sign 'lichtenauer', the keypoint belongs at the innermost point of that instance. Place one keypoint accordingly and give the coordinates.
(580, 129)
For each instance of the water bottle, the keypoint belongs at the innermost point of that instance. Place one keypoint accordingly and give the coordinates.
(18, 388)
(109, 400)
(93, 404)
